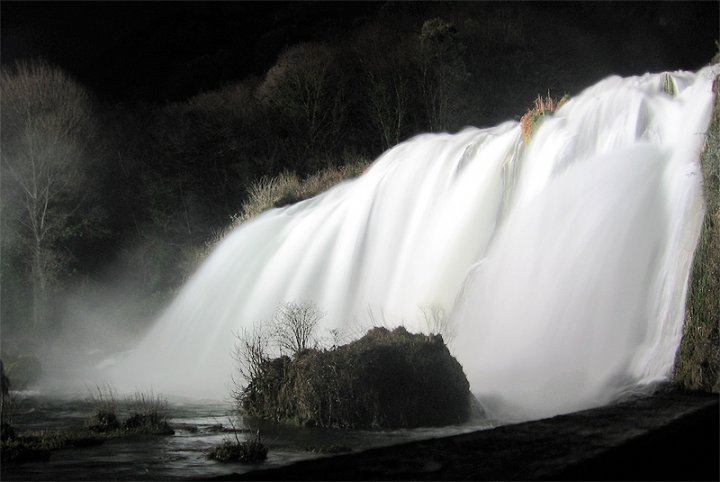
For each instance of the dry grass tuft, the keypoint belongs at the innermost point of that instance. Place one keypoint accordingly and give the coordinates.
(697, 365)
(543, 106)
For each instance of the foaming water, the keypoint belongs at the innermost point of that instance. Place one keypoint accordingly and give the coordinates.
(562, 264)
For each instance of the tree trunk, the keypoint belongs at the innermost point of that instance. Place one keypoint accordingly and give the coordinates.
(39, 288)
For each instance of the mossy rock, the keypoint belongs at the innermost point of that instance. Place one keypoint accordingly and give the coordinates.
(386, 379)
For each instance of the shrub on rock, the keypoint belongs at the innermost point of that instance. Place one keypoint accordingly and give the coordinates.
(148, 423)
(252, 451)
(386, 379)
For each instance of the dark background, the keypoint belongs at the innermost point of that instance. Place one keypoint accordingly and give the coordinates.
(170, 50)
(167, 50)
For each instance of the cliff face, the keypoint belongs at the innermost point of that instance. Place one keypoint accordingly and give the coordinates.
(697, 365)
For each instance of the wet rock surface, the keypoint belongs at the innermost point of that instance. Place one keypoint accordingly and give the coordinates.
(672, 435)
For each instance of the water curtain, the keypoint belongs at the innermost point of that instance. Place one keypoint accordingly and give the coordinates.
(558, 263)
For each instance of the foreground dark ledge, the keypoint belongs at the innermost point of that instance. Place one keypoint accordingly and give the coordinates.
(672, 435)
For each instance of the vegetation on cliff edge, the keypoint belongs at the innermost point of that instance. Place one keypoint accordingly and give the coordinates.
(697, 365)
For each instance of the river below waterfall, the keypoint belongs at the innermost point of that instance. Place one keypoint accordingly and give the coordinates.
(198, 425)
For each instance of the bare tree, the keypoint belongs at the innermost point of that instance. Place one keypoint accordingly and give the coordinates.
(388, 70)
(293, 325)
(306, 87)
(47, 131)
(437, 322)
(251, 352)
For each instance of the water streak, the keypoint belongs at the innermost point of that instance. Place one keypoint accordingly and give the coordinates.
(563, 263)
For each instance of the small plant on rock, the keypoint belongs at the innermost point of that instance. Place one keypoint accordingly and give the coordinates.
(104, 418)
(669, 86)
(533, 117)
(148, 414)
(103, 421)
(248, 452)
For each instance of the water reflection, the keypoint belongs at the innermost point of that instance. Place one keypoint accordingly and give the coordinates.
(198, 427)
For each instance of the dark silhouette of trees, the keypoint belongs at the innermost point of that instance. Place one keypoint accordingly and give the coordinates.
(49, 140)
(442, 73)
(306, 90)
(386, 69)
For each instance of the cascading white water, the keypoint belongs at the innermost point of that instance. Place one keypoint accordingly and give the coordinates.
(563, 263)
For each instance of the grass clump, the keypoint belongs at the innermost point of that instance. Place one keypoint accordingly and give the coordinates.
(697, 364)
(532, 118)
(148, 414)
(279, 191)
(247, 452)
(287, 188)
(104, 418)
(103, 421)
(669, 86)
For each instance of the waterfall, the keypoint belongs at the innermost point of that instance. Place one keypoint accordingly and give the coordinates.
(561, 263)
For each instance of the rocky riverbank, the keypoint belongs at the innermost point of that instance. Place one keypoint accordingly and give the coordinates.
(672, 435)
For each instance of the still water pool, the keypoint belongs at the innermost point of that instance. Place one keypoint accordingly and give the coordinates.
(198, 425)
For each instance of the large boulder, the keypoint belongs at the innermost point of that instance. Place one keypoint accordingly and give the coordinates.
(386, 379)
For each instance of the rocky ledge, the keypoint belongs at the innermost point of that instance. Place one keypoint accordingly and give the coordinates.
(671, 435)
